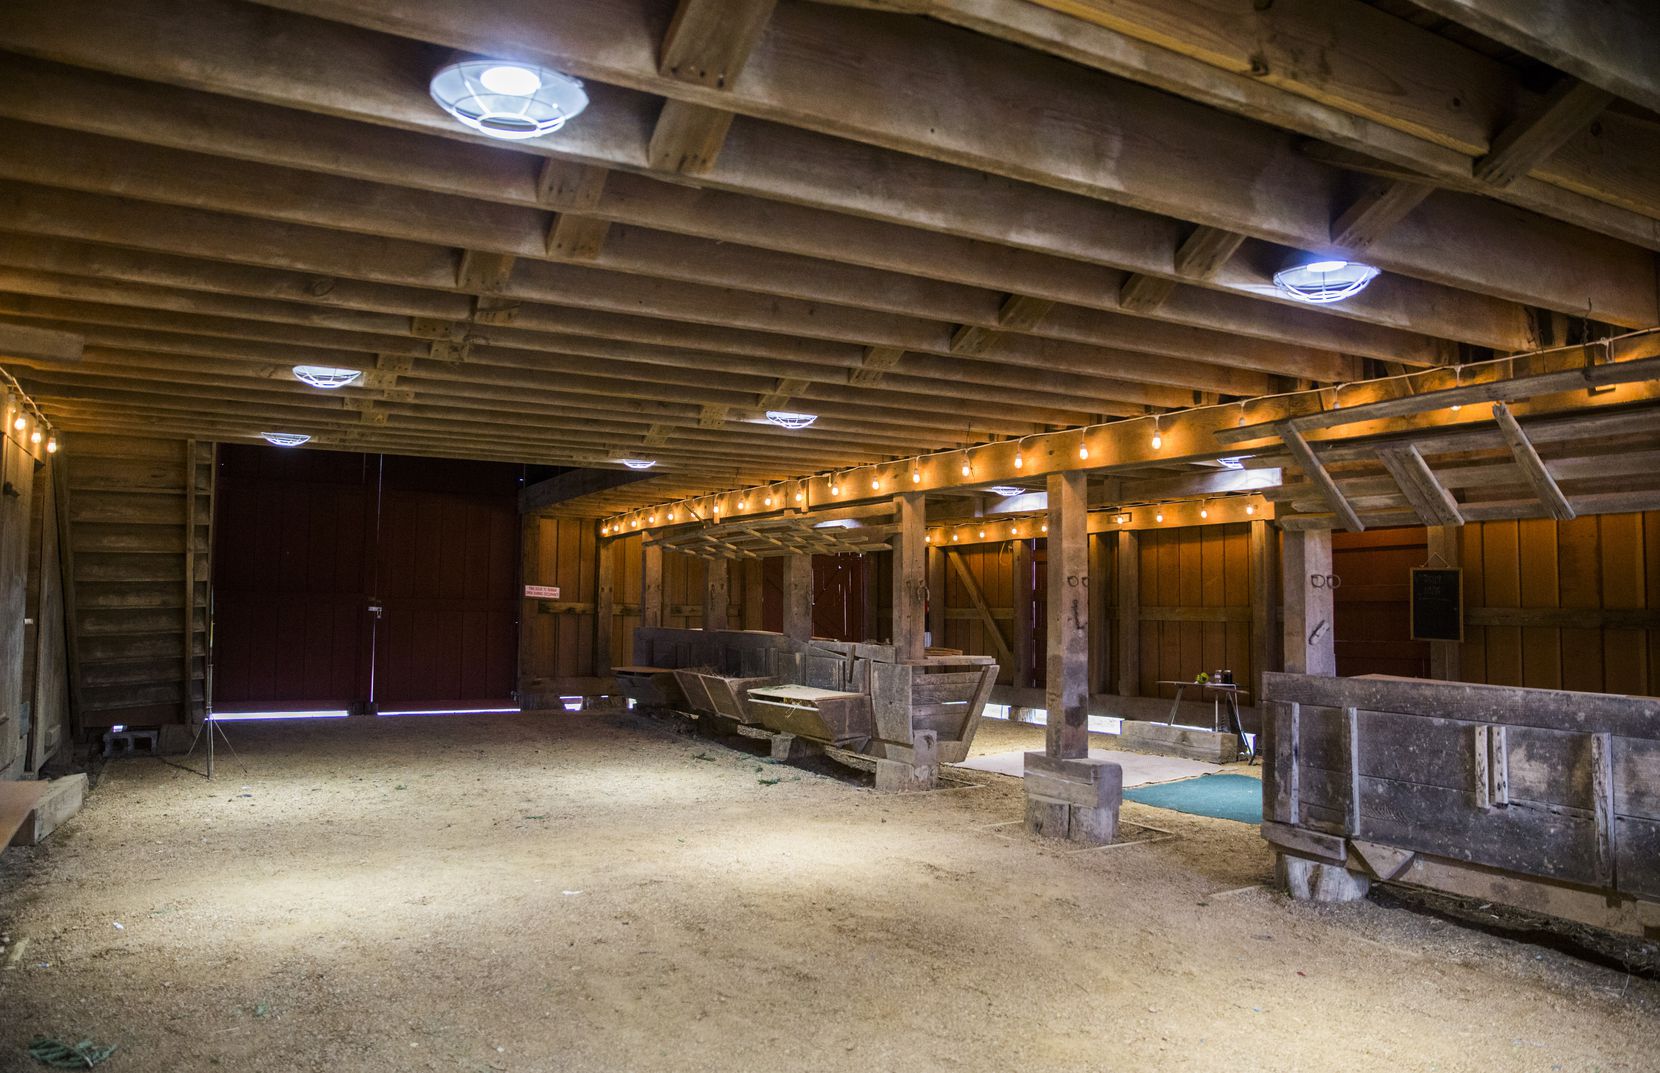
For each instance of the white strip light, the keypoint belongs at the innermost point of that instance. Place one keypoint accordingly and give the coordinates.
(327, 377)
(507, 100)
(790, 419)
(1323, 280)
(638, 463)
(285, 439)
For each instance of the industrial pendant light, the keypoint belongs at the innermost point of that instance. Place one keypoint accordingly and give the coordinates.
(638, 463)
(285, 439)
(1322, 280)
(507, 100)
(790, 419)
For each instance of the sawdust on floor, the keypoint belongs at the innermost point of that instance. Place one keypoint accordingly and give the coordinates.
(600, 892)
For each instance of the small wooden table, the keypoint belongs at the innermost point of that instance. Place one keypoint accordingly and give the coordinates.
(1223, 695)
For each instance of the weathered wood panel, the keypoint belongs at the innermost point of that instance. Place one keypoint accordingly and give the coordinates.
(137, 559)
(1204, 570)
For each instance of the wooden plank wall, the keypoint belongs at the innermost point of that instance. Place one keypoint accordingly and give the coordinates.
(140, 517)
(1195, 605)
(1548, 605)
(17, 472)
(1564, 605)
(45, 662)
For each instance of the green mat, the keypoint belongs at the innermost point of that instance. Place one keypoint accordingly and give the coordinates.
(1226, 797)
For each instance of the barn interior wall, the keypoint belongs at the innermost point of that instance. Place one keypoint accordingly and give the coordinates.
(33, 706)
(1548, 604)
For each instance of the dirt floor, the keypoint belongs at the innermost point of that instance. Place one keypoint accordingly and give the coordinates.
(597, 892)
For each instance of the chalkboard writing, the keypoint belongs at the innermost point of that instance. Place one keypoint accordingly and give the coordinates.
(1437, 604)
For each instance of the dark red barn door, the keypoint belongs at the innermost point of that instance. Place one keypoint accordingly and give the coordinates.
(362, 582)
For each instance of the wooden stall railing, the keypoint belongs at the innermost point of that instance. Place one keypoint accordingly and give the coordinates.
(1543, 799)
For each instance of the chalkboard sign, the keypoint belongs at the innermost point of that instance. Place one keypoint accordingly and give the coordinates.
(1437, 604)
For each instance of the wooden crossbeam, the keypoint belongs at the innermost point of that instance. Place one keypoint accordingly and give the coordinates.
(1199, 257)
(1533, 468)
(569, 186)
(875, 365)
(1141, 293)
(482, 273)
(709, 41)
(1428, 496)
(688, 137)
(1376, 211)
(1022, 312)
(1311, 467)
(577, 238)
(1568, 109)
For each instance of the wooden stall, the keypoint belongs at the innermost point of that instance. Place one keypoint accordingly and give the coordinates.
(1538, 798)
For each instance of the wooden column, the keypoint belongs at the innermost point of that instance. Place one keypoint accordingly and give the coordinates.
(1308, 637)
(798, 597)
(1129, 613)
(605, 604)
(910, 577)
(936, 596)
(715, 593)
(1067, 678)
(1023, 627)
(1265, 632)
(651, 584)
(1443, 655)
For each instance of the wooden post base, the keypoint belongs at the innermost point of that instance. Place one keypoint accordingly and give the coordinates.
(920, 772)
(792, 748)
(1317, 881)
(1076, 800)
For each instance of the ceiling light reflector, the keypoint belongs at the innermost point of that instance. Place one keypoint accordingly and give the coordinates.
(790, 419)
(285, 439)
(1323, 280)
(327, 377)
(512, 101)
(638, 463)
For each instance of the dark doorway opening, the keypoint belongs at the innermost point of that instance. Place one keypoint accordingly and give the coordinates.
(364, 583)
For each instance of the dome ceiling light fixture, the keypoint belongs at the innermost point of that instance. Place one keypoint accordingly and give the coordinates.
(506, 99)
(790, 419)
(638, 463)
(1321, 279)
(327, 377)
(1007, 490)
(285, 439)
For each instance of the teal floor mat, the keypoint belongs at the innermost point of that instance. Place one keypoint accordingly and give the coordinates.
(1226, 797)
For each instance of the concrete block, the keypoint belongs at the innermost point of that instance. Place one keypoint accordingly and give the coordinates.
(1316, 881)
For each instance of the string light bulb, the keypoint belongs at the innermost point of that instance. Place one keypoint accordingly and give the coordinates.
(967, 469)
(1250, 508)
(1045, 527)
(876, 484)
(21, 423)
(953, 538)
(800, 495)
(982, 534)
(916, 476)
(52, 445)
(743, 504)
(1159, 517)
(1083, 450)
(35, 437)
(1158, 440)
(1204, 511)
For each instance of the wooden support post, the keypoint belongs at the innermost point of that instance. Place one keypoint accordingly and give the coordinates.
(651, 584)
(1308, 603)
(605, 602)
(1443, 655)
(186, 702)
(1129, 613)
(1265, 633)
(936, 596)
(798, 597)
(715, 593)
(1023, 627)
(1067, 677)
(910, 577)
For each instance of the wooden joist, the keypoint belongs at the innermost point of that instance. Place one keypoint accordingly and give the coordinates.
(1569, 108)
(1533, 469)
(1434, 504)
(1306, 460)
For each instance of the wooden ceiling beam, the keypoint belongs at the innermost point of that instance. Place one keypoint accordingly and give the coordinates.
(707, 44)
(902, 101)
(826, 172)
(980, 390)
(1611, 45)
(1312, 468)
(163, 115)
(1526, 142)
(1442, 106)
(326, 202)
